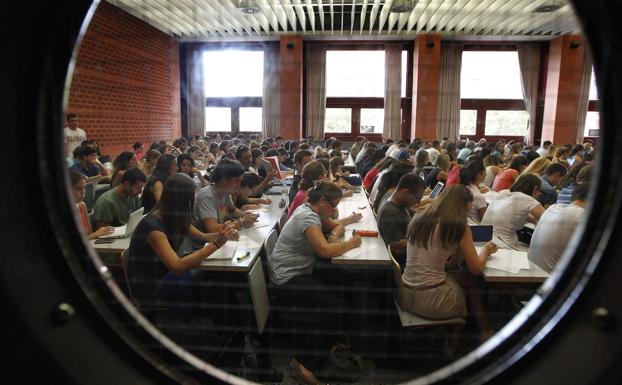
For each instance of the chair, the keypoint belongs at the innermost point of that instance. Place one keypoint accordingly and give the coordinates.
(268, 245)
(89, 196)
(124, 257)
(282, 221)
(408, 319)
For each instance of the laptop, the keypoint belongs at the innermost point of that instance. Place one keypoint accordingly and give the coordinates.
(127, 230)
(437, 190)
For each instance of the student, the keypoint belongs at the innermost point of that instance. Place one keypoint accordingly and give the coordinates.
(78, 182)
(434, 151)
(438, 233)
(73, 135)
(579, 174)
(421, 161)
(376, 172)
(214, 205)
(337, 175)
(139, 150)
(440, 171)
(186, 166)
(312, 172)
(513, 208)
(394, 217)
(149, 162)
(466, 151)
(156, 272)
(301, 158)
(282, 156)
(165, 168)
(114, 207)
(87, 163)
(493, 164)
(243, 197)
(293, 279)
(371, 161)
(124, 161)
(552, 177)
(555, 228)
(537, 167)
(472, 175)
(197, 156)
(389, 182)
(356, 147)
(543, 151)
(506, 178)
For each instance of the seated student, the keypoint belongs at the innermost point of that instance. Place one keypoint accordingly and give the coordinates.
(212, 153)
(374, 175)
(165, 168)
(301, 158)
(186, 166)
(348, 190)
(513, 208)
(78, 182)
(579, 174)
(312, 172)
(336, 174)
(552, 177)
(87, 163)
(139, 150)
(421, 161)
(124, 161)
(493, 164)
(243, 199)
(371, 161)
(507, 177)
(394, 217)
(434, 236)
(537, 167)
(214, 205)
(440, 171)
(389, 182)
(156, 271)
(113, 208)
(293, 279)
(197, 157)
(149, 162)
(283, 156)
(555, 228)
(472, 175)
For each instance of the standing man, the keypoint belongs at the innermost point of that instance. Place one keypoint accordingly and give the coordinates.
(74, 136)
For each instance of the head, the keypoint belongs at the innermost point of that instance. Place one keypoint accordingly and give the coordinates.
(546, 144)
(133, 182)
(421, 158)
(152, 157)
(473, 172)
(336, 145)
(585, 174)
(166, 166)
(282, 154)
(562, 152)
(243, 155)
(138, 146)
(301, 158)
(194, 152)
(78, 182)
(532, 155)
(256, 155)
(580, 193)
(227, 175)
(527, 184)
(409, 190)
(519, 163)
(86, 155)
(336, 165)
(446, 218)
(185, 164)
(391, 178)
(175, 207)
(125, 161)
(72, 121)
(537, 167)
(249, 182)
(324, 197)
(311, 173)
(213, 148)
(224, 146)
(385, 163)
(555, 172)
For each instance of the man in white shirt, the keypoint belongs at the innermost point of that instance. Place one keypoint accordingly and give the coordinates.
(545, 148)
(555, 228)
(74, 136)
(434, 151)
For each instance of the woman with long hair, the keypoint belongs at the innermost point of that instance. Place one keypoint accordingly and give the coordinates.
(506, 178)
(186, 165)
(436, 234)
(124, 161)
(537, 167)
(166, 167)
(78, 183)
(472, 175)
(157, 273)
(149, 162)
(493, 164)
(389, 182)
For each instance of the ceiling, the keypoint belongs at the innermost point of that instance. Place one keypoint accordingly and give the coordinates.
(209, 19)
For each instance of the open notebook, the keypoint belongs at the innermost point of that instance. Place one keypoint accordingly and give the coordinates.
(228, 251)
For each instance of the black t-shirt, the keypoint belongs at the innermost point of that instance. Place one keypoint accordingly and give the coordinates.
(145, 270)
(392, 222)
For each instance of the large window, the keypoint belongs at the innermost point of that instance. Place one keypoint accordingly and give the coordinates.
(355, 91)
(491, 93)
(592, 119)
(233, 90)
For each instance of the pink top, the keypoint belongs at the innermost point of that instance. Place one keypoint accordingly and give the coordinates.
(299, 199)
(504, 180)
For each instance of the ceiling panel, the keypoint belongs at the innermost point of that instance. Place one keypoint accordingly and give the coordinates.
(198, 19)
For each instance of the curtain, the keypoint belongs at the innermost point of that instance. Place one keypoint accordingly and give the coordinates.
(448, 112)
(315, 90)
(271, 100)
(529, 62)
(584, 95)
(392, 91)
(195, 91)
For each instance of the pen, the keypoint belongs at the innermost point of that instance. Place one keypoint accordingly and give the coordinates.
(246, 255)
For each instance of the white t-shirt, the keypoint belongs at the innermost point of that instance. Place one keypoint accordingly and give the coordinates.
(551, 236)
(391, 148)
(542, 151)
(479, 202)
(73, 139)
(374, 189)
(432, 155)
(508, 213)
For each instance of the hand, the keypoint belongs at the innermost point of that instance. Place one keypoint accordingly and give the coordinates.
(105, 230)
(265, 201)
(491, 248)
(249, 219)
(483, 189)
(271, 175)
(348, 194)
(195, 170)
(355, 217)
(355, 241)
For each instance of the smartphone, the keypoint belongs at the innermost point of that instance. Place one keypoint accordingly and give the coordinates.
(103, 240)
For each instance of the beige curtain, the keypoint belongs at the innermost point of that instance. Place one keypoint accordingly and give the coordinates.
(392, 91)
(195, 91)
(448, 112)
(316, 90)
(529, 62)
(271, 100)
(584, 95)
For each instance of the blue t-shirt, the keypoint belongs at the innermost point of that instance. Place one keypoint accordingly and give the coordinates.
(88, 172)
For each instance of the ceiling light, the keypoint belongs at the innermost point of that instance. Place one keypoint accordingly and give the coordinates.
(553, 6)
(403, 6)
(248, 7)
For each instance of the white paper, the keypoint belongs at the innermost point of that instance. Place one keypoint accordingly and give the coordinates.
(225, 253)
(262, 209)
(508, 260)
(362, 250)
(366, 223)
(246, 243)
(255, 225)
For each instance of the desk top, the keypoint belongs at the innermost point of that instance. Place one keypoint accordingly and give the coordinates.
(118, 246)
(535, 274)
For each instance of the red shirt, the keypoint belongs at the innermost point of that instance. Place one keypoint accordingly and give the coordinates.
(453, 178)
(504, 180)
(369, 178)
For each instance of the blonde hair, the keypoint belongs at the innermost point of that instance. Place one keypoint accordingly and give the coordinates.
(537, 166)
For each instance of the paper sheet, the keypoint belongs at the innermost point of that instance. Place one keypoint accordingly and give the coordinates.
(262, 209)
(366, 223)
(508, 260)
(355, 253)
(255, 225)
(246, 243)
(225, 253)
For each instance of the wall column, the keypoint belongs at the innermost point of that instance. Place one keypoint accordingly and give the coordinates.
(426, 82)
(291, 72)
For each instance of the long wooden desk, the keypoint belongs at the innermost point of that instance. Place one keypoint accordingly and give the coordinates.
(535, 274)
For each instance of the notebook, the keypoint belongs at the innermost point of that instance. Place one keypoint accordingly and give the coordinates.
(127, 230)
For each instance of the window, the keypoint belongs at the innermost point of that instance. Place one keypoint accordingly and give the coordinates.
(468, 120)
(404, 72)
(593, 87)
(372, 120)
(355, 74)
(492, 95)
(592, 119)
(338, 120)
(217, 119)
(233, 90)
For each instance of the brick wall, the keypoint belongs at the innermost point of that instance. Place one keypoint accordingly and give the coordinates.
(125, 85)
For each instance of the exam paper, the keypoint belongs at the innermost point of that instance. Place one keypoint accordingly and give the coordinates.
(508, 260)
(246, 243)
(356, 253)
(225, 253)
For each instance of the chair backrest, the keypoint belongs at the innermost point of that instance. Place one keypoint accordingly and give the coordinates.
(124, 261)
(89, 195)
(282, 221)
(397, 270)
(268, 245)
(91, 220)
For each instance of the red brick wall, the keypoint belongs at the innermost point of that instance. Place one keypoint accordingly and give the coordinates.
(125, 85)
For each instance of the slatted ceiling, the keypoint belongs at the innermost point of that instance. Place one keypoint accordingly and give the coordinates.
(197, 19)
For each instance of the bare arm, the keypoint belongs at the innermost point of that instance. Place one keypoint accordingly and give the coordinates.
(329, 250)
(475, 263)
(157, 189)
(536, 213)
(399, 247)
(195, 233)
